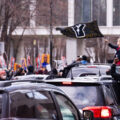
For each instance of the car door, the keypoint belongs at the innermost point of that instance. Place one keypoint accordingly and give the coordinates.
(1, 106)
(67, 108)
(4, 109)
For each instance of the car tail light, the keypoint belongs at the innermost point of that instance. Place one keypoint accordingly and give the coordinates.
(66, 83)
(100, 111)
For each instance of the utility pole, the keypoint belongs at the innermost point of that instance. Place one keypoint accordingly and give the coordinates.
(51, 31)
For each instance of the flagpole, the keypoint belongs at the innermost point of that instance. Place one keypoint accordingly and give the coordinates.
(51, 31)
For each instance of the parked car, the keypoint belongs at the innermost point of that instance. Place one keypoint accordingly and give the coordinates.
(35, 101)
(97, 98)
(88, 70)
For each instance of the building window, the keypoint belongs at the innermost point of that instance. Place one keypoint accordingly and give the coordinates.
(59, 14)
(116, 12)
(88, 10)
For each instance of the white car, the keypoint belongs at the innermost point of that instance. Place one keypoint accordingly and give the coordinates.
(88, 70)
(31, 77)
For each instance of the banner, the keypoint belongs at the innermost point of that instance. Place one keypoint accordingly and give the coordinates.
(12, 62)
(28, 61)
(82, 30)
(23, 63)
(64, 62)
(2, 63)
(45, 58)
(17, 66)
(38, 62)
(2, 47)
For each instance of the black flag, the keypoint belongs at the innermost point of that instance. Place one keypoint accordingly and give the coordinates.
(82, 30)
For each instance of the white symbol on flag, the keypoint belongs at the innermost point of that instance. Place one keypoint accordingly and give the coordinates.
(79, 30)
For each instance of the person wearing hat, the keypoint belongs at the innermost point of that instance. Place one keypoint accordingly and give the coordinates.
(30, 70)
(84, 60)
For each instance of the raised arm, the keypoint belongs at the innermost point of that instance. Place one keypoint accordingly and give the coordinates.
(111, 45)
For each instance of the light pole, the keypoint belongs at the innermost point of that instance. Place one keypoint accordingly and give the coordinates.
(34, 51)
(51, 31)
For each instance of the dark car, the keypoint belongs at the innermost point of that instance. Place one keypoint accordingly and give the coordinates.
(35, 101)
(97, 99)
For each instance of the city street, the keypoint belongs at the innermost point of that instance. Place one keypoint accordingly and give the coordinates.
(60, 59)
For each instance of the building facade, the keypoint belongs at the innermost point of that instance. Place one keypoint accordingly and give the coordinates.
(53, 13)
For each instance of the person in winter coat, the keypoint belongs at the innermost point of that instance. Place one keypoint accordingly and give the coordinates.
(113, 71)
(19, 72)
(117, 48)
(30, 70)
(84, 60)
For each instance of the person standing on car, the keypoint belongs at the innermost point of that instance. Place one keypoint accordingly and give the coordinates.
(113, 70)
(117, 48)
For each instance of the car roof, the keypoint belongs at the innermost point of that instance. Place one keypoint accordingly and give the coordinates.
(92, 66)
(13, 85)
(96, 64)
(87, 79)
(32, 76)
(89, 64)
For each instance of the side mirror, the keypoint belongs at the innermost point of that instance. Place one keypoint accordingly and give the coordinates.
(87, 115)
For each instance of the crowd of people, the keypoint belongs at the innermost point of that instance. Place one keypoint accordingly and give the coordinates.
(26, 68)
(42, 67)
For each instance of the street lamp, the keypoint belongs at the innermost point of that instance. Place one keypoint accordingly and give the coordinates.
(51, 31)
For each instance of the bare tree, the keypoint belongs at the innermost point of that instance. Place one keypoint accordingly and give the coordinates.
(13, 14)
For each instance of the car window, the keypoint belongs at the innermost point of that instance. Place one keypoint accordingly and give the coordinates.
(1, 102)
(31, 78)
(118, 69)
(109, 98)
(84, 96)
(32, 104)
(28, 77)
(67, 109)
(116, 91)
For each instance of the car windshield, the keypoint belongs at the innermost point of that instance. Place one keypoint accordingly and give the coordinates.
(90, 70)
(83, 96)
